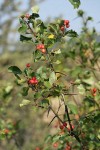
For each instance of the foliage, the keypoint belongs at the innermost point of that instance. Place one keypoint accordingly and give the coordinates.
(75, 3)
(11, 10)
(64, 69)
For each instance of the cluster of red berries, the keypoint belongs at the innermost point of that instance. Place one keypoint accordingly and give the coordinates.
(41, 47)
(64, 125)
(93, 91)
(65, 25)
(33, 81)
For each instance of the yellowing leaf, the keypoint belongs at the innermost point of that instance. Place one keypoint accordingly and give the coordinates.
(35, 9)
(51, 36)
(24, 102)
(58, 62)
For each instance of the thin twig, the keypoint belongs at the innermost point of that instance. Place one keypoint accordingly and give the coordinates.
(30, 28)
(69, 120)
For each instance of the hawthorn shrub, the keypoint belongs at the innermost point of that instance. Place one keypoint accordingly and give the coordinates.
(63, 69)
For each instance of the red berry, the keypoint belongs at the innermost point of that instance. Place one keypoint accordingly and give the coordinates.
(94, 90)
(31, 81)
(64, 124)
(38, 47)
(42, 46)
(67, 26)
(28, 65)
(61, 127)
(69, 129)
(94, 94)
(55, 145)
(37, 148)
(27, 16)
(6, 131)
(36, 81)
(66, 22)
(73, 127)
(68, 147)
(34, 78)
(62, 28)
(43, 51)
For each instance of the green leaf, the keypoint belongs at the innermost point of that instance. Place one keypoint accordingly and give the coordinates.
(53, 28)
(26, 71)
(23, 27)
(73, 108)
(45, 101)
(89, 81)
(47, 84)
(44, 76)
(81, 89)
(15, 70)
(25, 91)
(25, 39)
(37, 95)
(56, 138)
(75, 3)
(24, 102)
(90, 18)
(48, 138)
(71, 33)
(38, 22)
(52, 78)
(35, 9)
(89, 100)
(40, 70)
(76, 71)
(16, 75)
(34, 15)
(80, 13)
(37, 56)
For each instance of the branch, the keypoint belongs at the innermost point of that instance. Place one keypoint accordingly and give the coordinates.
(69, 120)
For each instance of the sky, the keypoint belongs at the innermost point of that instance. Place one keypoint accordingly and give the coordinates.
(55, 8)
